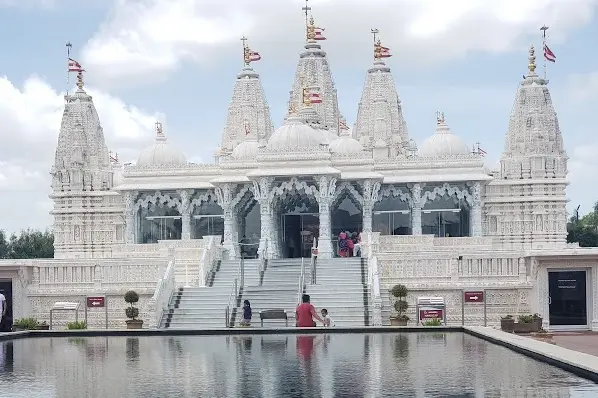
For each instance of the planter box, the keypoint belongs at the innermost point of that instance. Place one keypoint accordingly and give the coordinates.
(398, 322)
(526, 327)
(134, 324)
(507, 325)
(42, 327)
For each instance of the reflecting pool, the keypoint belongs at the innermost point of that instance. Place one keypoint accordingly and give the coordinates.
(334, 365)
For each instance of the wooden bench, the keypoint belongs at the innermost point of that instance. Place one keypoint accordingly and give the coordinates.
(272, 315)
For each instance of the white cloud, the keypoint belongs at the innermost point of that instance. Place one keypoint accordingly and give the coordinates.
(31, 118)
(150, 37)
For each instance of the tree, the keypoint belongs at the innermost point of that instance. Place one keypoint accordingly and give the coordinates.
(3, 245)
(584, 230)
(28, 244)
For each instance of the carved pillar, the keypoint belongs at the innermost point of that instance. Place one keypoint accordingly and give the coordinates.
(475, 223)
(261, 192)
(371, 189)
(185, 209)
(327, 188)
(129, 199)
(224, 196)
(416, 209)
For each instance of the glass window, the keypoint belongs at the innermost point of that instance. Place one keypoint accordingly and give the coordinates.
(207, 220)
(446, 216)
(158, 224)
(392, 216)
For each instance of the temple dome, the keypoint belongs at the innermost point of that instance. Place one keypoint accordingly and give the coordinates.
(246, 150)
(443, 143)
(161, 153)
(345, 144)
(296, 134)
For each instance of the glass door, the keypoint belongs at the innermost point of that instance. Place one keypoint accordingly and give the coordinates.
(567, 301)
(310, 230)
(300, 229)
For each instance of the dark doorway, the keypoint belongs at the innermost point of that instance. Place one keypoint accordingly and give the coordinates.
(300, 230)
(6, 290)
(567, 302)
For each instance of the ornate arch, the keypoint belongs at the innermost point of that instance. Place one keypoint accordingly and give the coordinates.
(157, 199)
(353, 195)
(392, 191)
(294, 184)
(199, 199)
(447, 190)
(241, 195)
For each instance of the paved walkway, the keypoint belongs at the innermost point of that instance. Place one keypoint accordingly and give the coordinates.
(586, 342)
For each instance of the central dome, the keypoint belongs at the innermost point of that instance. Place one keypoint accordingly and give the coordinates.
(296, 134)
(443, 143)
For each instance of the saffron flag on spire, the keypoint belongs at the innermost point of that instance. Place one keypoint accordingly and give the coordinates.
(314, 97)
(343, 125)
(385, 52)
(251, 56)
(75, 66)
(319, 33)
(548, 54)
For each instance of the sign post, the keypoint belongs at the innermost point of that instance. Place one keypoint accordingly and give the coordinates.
(96, 302)
(473, 297)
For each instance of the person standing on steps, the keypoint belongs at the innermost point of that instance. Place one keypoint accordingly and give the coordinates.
(246, 314)
(305, 314)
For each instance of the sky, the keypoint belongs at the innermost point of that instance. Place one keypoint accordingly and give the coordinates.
(176, 61)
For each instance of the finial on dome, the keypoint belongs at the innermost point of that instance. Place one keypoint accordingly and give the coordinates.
(80, 83)
(440, 117)
(159, 131)
(532, 61)
(313, 32)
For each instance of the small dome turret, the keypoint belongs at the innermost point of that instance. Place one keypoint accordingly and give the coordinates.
(161, 153)
(443, 143)
(246, 150)
(296, 134)
(345, 144)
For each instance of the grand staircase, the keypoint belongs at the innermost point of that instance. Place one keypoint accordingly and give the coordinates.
(204, 307)
(341, 288)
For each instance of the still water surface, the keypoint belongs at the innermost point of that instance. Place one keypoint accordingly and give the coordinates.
(341, 365)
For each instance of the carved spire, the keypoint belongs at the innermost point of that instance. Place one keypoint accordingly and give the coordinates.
(248, 113)
(82, 160)
(380, 104)
(533, 143)
(313, 73)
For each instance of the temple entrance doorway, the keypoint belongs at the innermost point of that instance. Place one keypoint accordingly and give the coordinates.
(300, 230)
(346, 216)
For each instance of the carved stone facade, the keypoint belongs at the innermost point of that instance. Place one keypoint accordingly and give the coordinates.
(441, 221)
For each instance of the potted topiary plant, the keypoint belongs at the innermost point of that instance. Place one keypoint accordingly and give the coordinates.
(400, 305)
(507, 324)
(132, 312)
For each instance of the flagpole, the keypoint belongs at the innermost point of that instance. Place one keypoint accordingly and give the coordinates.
(68, 60)
(544, 29)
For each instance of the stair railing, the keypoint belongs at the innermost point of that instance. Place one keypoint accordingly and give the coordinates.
(162, 295)
(314, 261)
(263, 261)
(238, 283)
(301, 282)
(373, 284)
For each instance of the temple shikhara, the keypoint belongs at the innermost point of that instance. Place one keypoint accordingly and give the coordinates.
(262, 222)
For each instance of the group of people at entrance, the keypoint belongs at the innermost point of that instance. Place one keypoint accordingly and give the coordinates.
(349, 244)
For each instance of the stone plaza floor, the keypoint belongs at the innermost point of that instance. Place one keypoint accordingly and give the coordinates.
(586, 342)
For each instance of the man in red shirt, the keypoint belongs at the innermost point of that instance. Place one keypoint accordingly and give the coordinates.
(305, 313)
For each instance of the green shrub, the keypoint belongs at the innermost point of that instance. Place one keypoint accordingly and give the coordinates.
(76, 325)
(26, 323)
(432, 322)
(131, 297)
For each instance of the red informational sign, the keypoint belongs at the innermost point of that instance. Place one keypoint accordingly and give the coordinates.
(431, 314)
(473, 297)
(96, 302)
